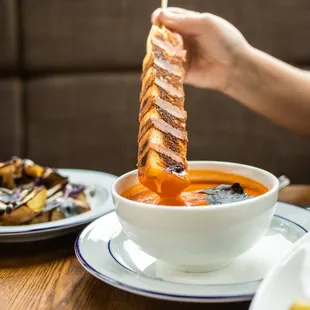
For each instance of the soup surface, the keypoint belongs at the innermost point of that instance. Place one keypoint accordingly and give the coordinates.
(205, 188)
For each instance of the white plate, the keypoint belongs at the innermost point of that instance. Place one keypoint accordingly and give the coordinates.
(107, 253)
(100, 204)
(288, 281)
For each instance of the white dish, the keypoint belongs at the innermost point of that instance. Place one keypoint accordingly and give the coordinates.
(202, 238)
(288, 281)
(100, 204)
(108, 254)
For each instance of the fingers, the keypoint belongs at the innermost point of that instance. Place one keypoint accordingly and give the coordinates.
(155, 17)
(183, 21)
(179, 11)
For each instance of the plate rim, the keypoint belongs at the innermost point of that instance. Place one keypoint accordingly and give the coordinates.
(144, 292)
(247, 282)
(64, 223)
(165, 296)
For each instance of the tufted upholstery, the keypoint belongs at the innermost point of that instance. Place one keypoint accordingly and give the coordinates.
(70, 81)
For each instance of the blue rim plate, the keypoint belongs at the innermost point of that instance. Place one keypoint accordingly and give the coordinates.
(100, 204)
(92, 251)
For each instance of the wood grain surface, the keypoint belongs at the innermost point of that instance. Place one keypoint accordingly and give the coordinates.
(46, 275)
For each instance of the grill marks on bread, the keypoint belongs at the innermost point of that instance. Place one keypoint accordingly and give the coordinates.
(162, 139)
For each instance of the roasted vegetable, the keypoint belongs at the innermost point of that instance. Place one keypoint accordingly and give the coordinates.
(6, 174)
(59, 209)
(31, 194)
(42, 217)
(33, 170)
(24, 207)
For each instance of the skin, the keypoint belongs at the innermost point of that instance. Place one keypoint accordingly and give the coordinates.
(220, 58)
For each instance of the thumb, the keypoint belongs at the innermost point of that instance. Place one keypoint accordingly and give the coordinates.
(182, 21)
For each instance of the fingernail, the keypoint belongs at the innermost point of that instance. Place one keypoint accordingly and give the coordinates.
(155, 16)
(168, 16)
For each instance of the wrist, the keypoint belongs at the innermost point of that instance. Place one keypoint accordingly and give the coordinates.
(243, 64)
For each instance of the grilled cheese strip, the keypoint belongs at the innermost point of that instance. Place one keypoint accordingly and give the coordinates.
(162, 139)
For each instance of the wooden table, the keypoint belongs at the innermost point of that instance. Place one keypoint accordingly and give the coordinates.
(46, 275)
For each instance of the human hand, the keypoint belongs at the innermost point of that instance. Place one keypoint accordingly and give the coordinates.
(214, 46)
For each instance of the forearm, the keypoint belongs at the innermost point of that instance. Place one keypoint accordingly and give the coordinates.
(274, 89)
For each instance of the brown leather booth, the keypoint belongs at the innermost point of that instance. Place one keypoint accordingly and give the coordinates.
(69, 84)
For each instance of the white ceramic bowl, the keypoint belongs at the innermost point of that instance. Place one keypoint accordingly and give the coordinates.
(198, 239)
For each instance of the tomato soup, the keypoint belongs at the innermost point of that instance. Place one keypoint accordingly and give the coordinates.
(220, 186)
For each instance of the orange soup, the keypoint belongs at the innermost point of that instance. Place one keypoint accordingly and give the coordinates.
(206, 188)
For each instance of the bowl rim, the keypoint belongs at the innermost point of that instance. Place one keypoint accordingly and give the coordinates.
(274, 189)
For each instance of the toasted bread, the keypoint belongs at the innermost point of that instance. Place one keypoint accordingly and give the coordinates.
(162, 139)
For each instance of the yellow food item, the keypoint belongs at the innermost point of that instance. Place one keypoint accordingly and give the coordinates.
(27, 209)
(37, 203)
(300, 305)
(31, 194)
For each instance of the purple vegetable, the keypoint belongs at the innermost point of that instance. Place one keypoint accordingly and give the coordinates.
(16, 194)
(73, 190)
(40, 181)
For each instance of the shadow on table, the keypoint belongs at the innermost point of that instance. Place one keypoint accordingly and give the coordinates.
(38, 252)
